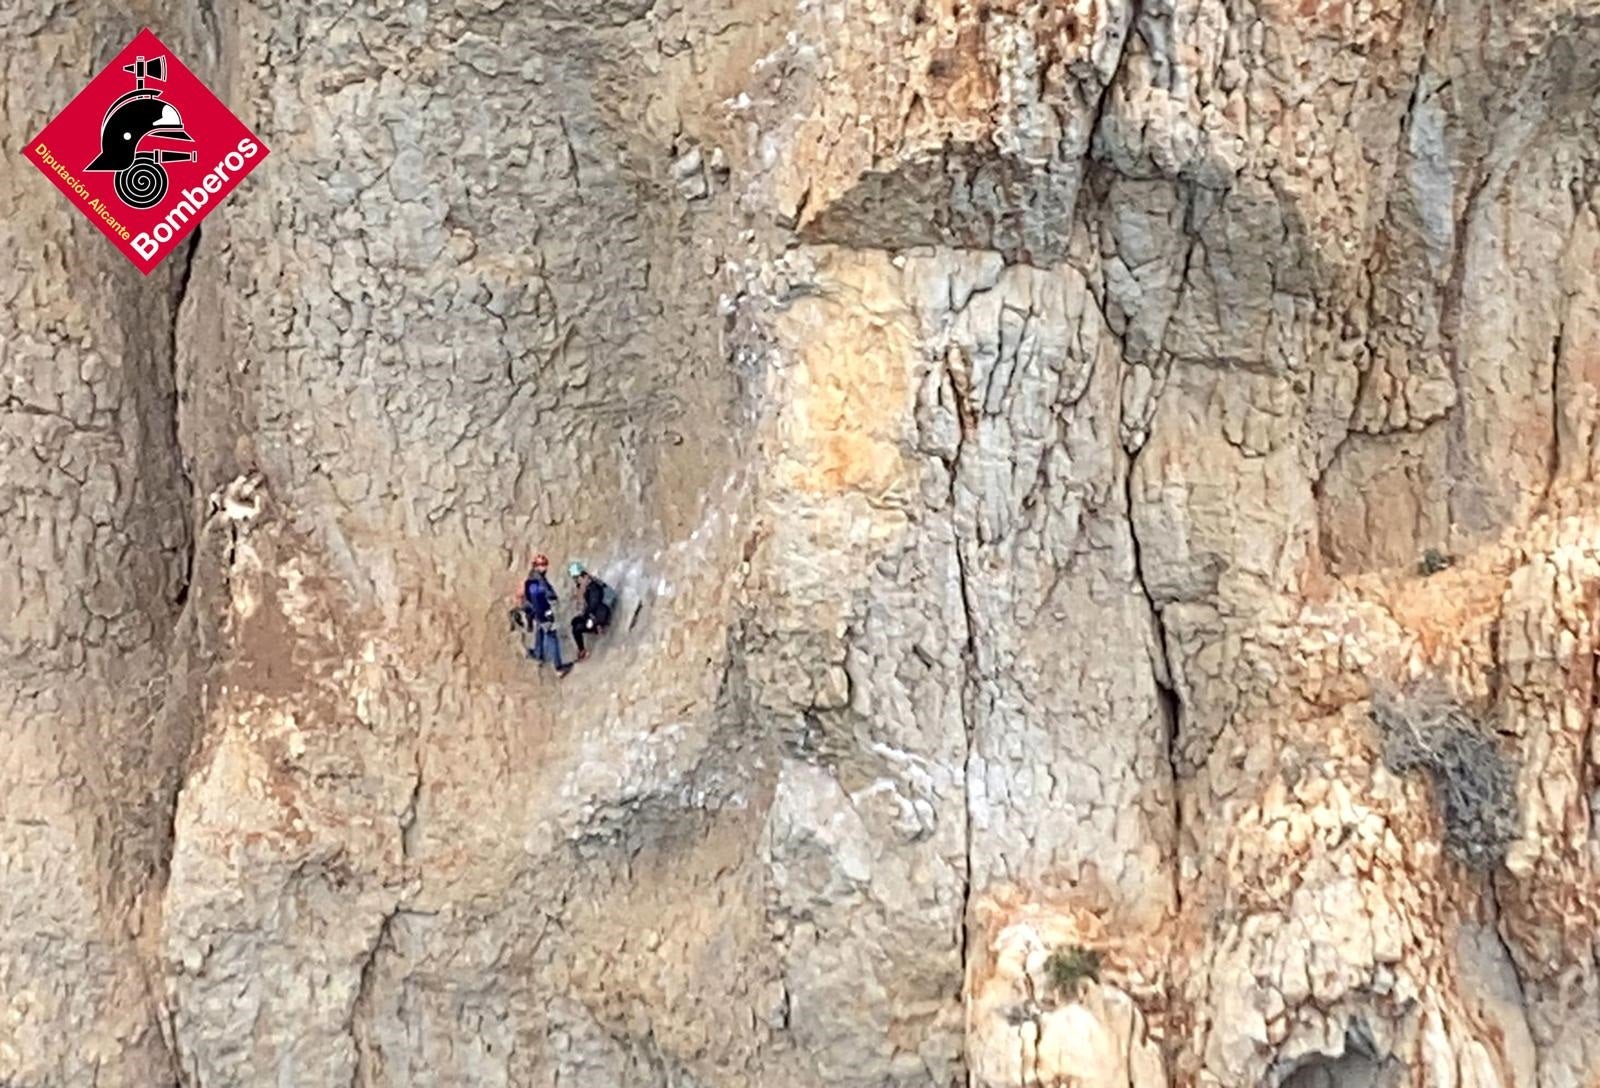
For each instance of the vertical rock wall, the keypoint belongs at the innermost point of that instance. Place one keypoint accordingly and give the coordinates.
(1024, 437)
(95, 542)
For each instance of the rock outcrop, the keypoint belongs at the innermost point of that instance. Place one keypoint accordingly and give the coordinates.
(1030, 440)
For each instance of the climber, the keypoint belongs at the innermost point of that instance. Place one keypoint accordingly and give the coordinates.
(539, 609)
(597, 600)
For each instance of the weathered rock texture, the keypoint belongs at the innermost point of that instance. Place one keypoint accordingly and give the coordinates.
(1026, 435)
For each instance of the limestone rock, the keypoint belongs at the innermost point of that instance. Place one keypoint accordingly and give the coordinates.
(1024, 437)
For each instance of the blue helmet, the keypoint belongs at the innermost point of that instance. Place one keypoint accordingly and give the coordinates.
(575, 568)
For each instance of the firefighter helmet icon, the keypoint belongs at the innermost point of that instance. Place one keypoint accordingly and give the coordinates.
(141, 114)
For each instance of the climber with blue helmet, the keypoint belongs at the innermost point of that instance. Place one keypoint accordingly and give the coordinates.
(596, 599)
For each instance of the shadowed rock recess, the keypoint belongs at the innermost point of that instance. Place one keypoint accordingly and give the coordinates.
(1026, 436)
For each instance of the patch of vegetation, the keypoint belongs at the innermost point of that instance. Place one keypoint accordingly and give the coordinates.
(1070, 967)
(1424, 728)
(1433, 561)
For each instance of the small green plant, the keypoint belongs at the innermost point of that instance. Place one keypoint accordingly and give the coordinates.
(1433, 561)
(1068, 967)
(1425, 729)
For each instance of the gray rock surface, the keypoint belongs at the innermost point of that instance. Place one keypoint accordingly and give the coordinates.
(1016, 431)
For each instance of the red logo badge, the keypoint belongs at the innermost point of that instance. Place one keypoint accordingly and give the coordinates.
(146, 151)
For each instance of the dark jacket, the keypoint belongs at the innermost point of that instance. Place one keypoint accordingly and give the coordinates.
(594, 602)
(539, 596)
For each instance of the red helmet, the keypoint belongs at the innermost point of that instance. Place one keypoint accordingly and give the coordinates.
(540, 559)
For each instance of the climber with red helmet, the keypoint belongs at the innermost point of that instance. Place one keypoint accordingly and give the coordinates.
(539, 611)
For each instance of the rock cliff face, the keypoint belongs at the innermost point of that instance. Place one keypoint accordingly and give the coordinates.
(1103, 497)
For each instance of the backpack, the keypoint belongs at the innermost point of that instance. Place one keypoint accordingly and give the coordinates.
(609, 596)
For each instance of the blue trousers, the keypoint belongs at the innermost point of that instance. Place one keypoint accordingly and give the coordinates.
(546, 644)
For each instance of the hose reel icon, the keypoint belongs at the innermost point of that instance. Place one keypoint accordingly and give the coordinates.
(140, 180)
